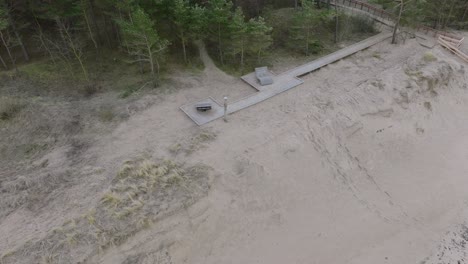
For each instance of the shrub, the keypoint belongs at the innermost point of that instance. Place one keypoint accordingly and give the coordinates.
(128, 90)
(362, 24)
(106, 114)
(9, 107)
(429, 57)
(89, 89)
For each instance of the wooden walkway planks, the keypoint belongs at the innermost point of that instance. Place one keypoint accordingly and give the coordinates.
(338, 55)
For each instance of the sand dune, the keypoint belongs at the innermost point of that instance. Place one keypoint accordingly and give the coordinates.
(364, 163)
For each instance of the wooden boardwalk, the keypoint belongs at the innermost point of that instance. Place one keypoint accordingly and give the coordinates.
(282, 82)
(289, 79)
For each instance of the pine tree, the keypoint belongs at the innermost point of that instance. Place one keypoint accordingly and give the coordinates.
(259, 37)
(219, 14)
(306, 21)
(143, 41)
(189, 21)
(238, 39)
(407, 13)
(249, 38)
(182, 22)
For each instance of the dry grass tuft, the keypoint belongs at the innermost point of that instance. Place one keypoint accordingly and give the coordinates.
(106, 114)
(141, 193)
(194, 143)
(377, 55)
(9, 107)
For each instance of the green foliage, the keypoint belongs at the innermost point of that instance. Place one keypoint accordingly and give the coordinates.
(219, 14)
(3, 18)
(189, 21)
(434, 13)
(361, 24)
(42, 72)
(280, 20)
(71, 31)
(128, 90)
(234, 37)
(305, 24)
(143, 41)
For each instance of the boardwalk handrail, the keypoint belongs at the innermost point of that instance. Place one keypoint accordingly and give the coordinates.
(389, 16)
(435, 32)
(363, 6)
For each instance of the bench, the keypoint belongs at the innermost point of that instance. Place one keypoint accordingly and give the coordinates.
(203, 107)
(263, 76)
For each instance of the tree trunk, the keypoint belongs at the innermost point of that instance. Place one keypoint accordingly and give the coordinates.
(77, 52)
(3, 63)
(93, 20)
(183, 47)
(158, 69)
(17, 35)
(140, 63)
(106, 29)
(151, 62)
(41, 39)
(295, 4)
(441, 14)
(219, 45)
(397, 23)
(464, 14)
(115, 26)
(307, 43)
(336, 24)
(449, 14)
(13, 61)
(61, 28)
(242, 59)
(153, 73)
(90, 31)
(120, 38)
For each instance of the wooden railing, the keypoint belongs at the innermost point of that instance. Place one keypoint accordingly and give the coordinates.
(435, 32)
(452, 45)
(449, 41)
(364, 7)
(386, 15)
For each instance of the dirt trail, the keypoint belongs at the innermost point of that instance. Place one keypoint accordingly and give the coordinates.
(211, 71)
